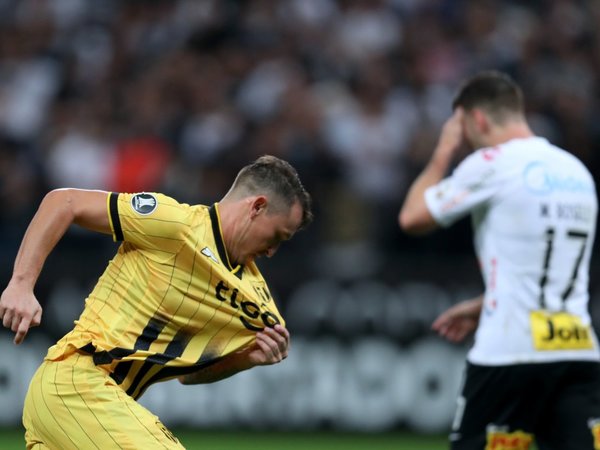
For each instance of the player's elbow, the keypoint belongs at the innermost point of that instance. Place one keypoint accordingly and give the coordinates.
(404, 219)
(189, 379)
(416, 222)
(60, 200)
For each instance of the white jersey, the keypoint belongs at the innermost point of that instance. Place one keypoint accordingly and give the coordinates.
(533, 208)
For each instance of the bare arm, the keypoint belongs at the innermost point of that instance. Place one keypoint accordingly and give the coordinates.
(271, 347)
(414, 216)
(19, 309)
(460, 320)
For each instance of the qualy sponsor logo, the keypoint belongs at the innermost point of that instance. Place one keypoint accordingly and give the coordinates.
(143, 203)
(540, 180)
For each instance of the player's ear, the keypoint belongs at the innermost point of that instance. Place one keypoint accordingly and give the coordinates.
(481, 119)
(259, 205)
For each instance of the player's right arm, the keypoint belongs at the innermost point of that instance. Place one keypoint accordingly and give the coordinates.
(414, 216)
(19, 308)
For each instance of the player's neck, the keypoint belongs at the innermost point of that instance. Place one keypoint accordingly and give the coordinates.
(508, 132)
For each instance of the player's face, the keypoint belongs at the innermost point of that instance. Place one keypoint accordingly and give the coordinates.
(269, 230)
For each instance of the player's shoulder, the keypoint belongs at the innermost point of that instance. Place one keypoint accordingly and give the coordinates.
(493, 155)
(499, 162)
(506, 152)
(156, 205)
(147, 203)
(513, 153)
(562, 159)
(563, 156)
(483, 162)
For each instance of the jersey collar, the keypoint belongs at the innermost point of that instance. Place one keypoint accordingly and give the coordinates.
(215, 221)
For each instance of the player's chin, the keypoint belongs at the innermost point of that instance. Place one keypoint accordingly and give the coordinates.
(255, 256)
(242, 260)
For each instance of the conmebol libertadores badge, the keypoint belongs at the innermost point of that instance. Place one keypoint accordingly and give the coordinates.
(143, 203)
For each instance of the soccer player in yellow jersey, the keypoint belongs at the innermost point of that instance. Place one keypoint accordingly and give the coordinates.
(182, 298)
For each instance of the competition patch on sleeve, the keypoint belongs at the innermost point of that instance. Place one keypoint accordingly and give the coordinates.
(442, 189)
(143, 203)
(448, 195)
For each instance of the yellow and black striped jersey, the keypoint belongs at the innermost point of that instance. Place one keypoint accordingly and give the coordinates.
(169, 302)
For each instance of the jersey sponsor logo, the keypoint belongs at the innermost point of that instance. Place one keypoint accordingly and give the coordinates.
(559, 331)
(250, 311)
(540, 180)
(500, 439)
(209, 254)
(508, 441)
(143, 203)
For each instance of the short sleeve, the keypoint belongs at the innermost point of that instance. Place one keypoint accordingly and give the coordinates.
(473, 183)
(149, 220)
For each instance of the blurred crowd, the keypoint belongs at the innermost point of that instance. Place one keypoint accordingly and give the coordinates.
(176, 95)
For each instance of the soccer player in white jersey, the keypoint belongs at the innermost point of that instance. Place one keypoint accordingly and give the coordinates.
(533, 373)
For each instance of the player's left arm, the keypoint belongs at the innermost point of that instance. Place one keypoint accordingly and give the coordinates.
(460, 320)
(270, 347)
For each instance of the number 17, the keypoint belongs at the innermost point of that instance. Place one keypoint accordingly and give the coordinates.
(572, 234)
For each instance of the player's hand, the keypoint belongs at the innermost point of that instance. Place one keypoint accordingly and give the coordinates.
(19, 311)
(271, 346)
(459, 321)
(452, 136)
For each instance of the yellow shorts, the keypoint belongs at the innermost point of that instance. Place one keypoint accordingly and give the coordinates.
(72, 404)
